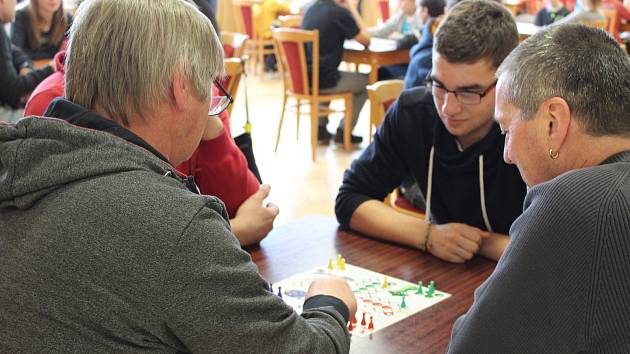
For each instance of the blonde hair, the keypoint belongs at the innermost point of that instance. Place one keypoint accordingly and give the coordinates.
(59, 25)
(122, 54)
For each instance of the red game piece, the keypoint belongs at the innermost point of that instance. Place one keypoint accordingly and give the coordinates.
(350, 326)
(354, 320)
(363, 323)
(371, 325)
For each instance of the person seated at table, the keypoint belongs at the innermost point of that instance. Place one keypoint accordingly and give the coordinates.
(444, 138)
(589, 14)
(267, 13)
(421, 53)
(39, 28)
(623, 15)
(219, 167)
(406, 21)
(337, 20)
(553, 11)
(17, 75)
(563, 284)
(99, 231)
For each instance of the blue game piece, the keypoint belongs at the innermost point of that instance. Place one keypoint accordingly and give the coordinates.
(280, 292)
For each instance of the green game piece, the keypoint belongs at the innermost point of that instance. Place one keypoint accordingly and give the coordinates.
(402, 291)
(403, 305)
(431, 289)
(419, 290)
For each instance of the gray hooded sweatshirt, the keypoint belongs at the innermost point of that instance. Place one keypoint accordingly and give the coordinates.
(104, 250)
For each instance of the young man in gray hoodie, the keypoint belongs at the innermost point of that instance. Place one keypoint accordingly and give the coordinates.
(103, 247)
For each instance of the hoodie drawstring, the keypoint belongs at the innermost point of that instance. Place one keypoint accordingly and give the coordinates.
(484, 212)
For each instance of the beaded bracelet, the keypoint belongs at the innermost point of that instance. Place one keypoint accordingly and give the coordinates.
(427, 237)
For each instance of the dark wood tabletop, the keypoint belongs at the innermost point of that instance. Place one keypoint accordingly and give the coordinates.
(310, 242)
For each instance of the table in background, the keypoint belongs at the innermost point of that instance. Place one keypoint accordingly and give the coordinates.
(380, 52)
(310, 242)
(526, 30)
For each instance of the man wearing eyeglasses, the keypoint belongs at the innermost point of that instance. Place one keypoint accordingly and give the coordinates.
(103, 246)
(443, 137)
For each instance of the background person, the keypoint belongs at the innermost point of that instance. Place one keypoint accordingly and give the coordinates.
(39, 28)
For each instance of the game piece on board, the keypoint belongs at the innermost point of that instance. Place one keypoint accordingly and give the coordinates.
(338, 260)
(350, 326)
(403, 305)
(419, 291)
(363, 323)
(330, 264)
(431, 289)
(354, 320)
(403, 291)
(371, 325)
(343, 264)
(385, 282)
(280, 292)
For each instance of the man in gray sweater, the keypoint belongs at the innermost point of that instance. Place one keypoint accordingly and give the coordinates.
(563, 284)
(103, 247)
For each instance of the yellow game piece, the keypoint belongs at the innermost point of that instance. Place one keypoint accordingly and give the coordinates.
(339, 260)
(385, 283)
(330, 264)
(343, 264)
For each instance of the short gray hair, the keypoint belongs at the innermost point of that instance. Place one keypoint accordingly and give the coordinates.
(584, 66)
(474, 30)
(122, 54)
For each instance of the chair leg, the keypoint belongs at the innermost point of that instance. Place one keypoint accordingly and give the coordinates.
(347, 128)
(261, 58)
(284, 106)
(314, 111)
(297, 134)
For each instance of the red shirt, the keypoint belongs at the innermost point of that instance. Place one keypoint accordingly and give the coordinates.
(47, 90)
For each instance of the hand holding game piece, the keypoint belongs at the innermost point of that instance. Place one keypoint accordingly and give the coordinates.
(333, 286)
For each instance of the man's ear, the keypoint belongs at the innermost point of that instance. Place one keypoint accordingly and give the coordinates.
(557, 117)
(179, 88)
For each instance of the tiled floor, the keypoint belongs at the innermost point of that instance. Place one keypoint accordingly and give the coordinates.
(298, 186)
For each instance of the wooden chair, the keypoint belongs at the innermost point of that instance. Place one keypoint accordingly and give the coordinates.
(234, 68)
(399, 202)
(291, 56)
(382, 94)
(251, 26)
(611, 17)
(233, 44)
(384, 7)
(290, 21)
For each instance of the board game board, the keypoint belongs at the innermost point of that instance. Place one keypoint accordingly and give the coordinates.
(382, 300)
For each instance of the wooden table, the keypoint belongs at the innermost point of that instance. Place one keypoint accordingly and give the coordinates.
(310, 242)
(380, 52)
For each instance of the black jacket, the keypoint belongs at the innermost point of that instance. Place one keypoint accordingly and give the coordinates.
(401, 148)
(13, 85)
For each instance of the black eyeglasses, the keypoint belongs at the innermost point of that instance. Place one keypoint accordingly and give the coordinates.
(219, 104)
(463, 97)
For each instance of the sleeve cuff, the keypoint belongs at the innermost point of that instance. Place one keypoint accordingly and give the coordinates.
(327, 300)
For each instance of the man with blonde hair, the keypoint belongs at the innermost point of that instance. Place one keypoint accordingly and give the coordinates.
(103, 247)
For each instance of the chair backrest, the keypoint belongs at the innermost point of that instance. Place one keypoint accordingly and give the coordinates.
(384, 6)
(233, 74)
(292, 60)
(245, 8)
(599, 24)
(611, 16)
(290, 21)
(233, 44)
(382, 94)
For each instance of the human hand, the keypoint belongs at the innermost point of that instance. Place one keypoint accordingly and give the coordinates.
(253, 221)
(213, 129)
(333, 286)
(455, 242)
